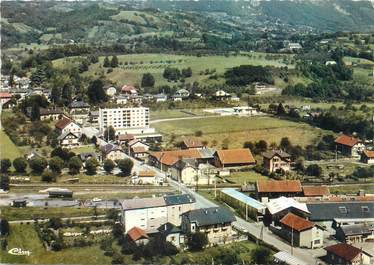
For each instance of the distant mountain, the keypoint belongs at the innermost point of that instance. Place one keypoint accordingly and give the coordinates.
(324, 15)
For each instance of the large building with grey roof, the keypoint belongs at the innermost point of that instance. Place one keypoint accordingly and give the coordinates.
(150, 213)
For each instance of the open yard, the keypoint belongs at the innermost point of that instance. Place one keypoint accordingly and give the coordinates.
(26, 238)
(7, 148)
(133, 66)
(245, 177)
(234, 131)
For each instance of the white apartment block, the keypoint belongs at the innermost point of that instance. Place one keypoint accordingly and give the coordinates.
(124, 118)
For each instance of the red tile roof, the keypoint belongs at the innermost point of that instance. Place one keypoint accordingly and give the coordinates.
(126, 137)
(236, 156)
(279, 186)
(369, 153)
(128, 89)
(171, 157)
(62, 123)
(346, 140)
(146, 173)
(192, 142)
(296, 222)
(5, 95)
(136, 233)
(316, 191)
(343, 250)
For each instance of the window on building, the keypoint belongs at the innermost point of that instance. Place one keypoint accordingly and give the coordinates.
(365, 209)
(342, 209)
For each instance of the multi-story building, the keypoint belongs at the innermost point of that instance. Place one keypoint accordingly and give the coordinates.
(123, 119)
(150, 213)
(276, 160)
(215, 222)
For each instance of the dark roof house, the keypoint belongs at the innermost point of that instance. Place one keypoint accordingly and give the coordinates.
(209, 216)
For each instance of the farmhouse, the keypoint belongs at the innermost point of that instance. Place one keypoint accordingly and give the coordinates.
(349, 145)
(5, 97)
(68, 140)
(215, 222)
(277, 188)
(160, 97)
(150, 213)
(343, 253)
(191, 143)
(125, 138)
(301, 232)
(221, 95)
(79, 106)
(165, 159)
(190, 172)
(53, 114)
(112, 152)
(276, 160)
(233, 158)
(65, 125)
(367, 156)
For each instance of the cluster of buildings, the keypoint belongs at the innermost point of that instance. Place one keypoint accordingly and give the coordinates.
(174, 217)
(305, 216)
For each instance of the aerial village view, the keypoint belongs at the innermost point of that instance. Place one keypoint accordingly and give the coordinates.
(187, 132)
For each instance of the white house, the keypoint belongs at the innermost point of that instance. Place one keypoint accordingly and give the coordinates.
(68, 140)
(65, 125)
(150, 213)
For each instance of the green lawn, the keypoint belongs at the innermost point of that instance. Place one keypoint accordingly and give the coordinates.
(155, 64)
(245, 177)
(7, 148)
(346, 189)
(25, 237)
(11, 213)
(236, 130)
(84, 149)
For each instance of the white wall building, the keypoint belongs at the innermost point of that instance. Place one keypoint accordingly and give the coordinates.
(122, 119)
(150, 213)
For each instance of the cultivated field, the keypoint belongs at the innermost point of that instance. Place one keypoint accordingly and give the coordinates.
(234, 131)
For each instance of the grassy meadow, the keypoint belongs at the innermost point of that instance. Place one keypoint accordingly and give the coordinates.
(7, 148)
(133, 66)
(236, 130)
(25, 237)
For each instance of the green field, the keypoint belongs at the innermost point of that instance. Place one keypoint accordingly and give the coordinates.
(11, 213)
(25, 237)
(133, 66)
(245, 177)
(7, 148)
(237, 130)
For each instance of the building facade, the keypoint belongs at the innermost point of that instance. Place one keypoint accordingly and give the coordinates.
(123, 118)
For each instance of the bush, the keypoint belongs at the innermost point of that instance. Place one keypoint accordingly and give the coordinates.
(125, 165)
(20, 164)
(197, 241)
(48, 176)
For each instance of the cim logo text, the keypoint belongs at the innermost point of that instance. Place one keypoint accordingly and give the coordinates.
(19, 252)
